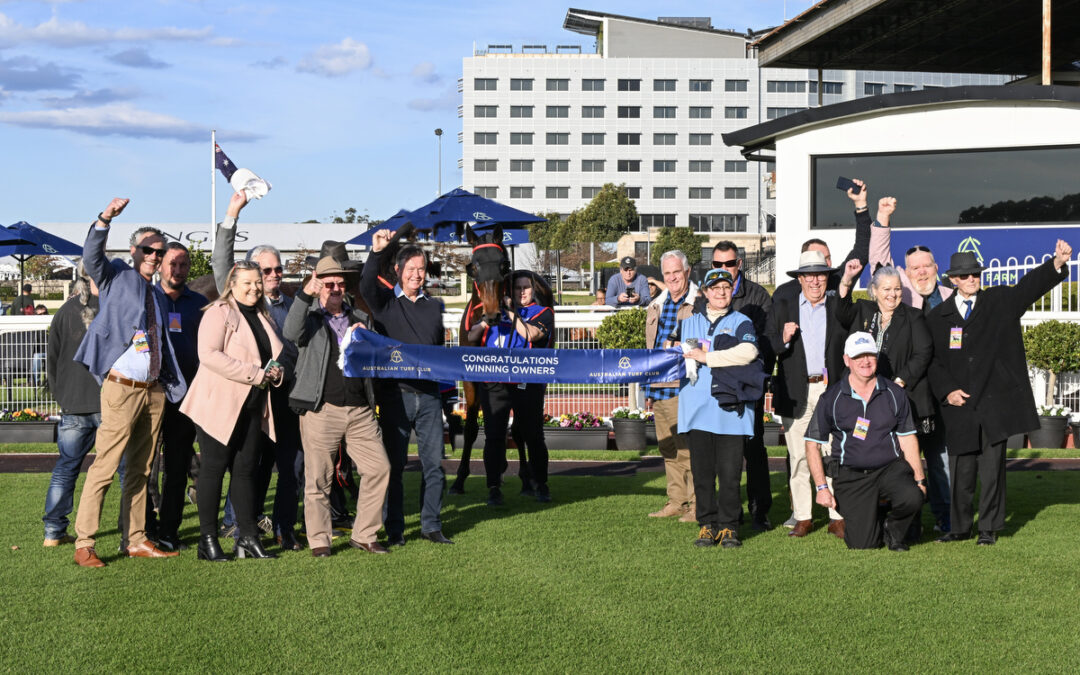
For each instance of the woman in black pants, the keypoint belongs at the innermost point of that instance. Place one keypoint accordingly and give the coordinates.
(229, 403)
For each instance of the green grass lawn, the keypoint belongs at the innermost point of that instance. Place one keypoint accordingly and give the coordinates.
(584, 584)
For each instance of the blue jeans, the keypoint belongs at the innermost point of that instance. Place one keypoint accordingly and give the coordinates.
(937, 474)
(400, 411)
(74, 438)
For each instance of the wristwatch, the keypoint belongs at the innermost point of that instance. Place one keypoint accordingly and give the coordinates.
(921, 482)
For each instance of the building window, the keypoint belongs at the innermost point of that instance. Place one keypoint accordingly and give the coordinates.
(700, 112)
(776, 113)
(629, 111)
(735, 192)
(785, 87)
(592, 165)
(592, 85)
(555, 84)
(491, 192)
(485, 138)
(700, 85)
(700, 139)
(629, 139)
(735, 165)
(873, 88)
(485, 84)
(717, 222)
(648, 220)
(901, 88)
(521, 165)
(558, 165)
(629, 85)
(521, 111)
(663, 85)
(521, 193)
(735, 85)
(629, 165)
(485, 165)
(663, 139)
(521, 138)
(633, 193)
(552, 192)
(663, 193)
(663, 165)
(558, 138)
(592, 111)
(701, 193)
(558, 111)
(589, 192)
(485, 110)
(735, 112)
(827, 87)
(666, 112)
(700, 166)
(592, 139)
(520, 84)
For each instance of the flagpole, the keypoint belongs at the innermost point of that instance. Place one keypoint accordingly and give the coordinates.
(213, 188)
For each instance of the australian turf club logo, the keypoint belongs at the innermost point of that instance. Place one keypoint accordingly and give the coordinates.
(480, 216)
(624, 362)
(395, 356)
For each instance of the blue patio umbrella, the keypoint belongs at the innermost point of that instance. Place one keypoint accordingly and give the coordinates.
(462, 206)
(392, 223)
(34, 241)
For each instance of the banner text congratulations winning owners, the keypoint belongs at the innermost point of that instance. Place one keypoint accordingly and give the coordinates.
(368, 354)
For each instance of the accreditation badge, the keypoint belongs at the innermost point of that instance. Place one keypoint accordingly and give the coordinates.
(862, 427)
(174, 322)
(956, 337)
(139, 340)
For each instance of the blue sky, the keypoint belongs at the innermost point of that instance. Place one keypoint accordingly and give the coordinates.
(335, 103)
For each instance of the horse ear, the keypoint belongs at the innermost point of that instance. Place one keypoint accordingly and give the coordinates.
(499, 235)
(470, 236)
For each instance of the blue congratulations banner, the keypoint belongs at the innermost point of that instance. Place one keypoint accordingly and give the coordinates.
(372, 355)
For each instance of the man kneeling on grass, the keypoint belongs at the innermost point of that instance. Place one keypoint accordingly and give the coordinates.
(870, 422)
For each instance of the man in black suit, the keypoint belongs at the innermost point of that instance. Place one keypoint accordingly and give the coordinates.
(979, 373)
(808, 342)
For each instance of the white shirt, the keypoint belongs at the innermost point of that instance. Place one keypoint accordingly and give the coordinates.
(960, 307)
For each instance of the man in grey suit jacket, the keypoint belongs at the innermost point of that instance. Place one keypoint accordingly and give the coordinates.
(127, 350)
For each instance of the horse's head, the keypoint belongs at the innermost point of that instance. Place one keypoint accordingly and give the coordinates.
(489, 269)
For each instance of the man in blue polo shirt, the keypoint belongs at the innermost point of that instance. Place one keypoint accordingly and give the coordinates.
(875, 454)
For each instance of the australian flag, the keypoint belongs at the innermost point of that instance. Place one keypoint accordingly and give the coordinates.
(223, 163)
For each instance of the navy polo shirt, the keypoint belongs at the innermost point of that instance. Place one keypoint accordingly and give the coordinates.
(864, 433)
(182, 322)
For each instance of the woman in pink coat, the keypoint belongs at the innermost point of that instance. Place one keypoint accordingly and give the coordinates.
(228, 401)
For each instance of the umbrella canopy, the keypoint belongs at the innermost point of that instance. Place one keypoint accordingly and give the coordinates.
(36, 242)
(8, 239)
(392, 223)
(462, 206)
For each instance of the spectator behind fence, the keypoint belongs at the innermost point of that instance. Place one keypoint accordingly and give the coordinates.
(128, 351)
(229, 402)
(78, 395)
(628, 288)
(979, 371)
(24, 303)
(41, 310)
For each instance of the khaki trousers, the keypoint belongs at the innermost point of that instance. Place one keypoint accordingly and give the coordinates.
(130, 424)
(675, 450)
(322, 434)
(802, 493)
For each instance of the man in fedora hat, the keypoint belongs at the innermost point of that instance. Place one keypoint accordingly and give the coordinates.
(979, 373)
(808, 342)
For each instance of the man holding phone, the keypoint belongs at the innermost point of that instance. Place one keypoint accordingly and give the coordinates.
(628, 288)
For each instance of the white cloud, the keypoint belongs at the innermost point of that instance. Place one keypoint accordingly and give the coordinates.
(271, 64)
(425, 72)
(336, 60)
(60, 33)
(88, 97)
(120, 119)
(25, 73)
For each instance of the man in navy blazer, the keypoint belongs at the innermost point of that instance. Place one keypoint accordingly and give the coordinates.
(127, 350)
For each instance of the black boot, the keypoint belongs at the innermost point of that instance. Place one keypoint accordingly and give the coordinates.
(251, 547)
(210, 549)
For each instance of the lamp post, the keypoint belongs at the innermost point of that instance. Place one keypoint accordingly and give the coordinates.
(438, 161)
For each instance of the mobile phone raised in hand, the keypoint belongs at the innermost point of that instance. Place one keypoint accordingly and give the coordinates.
(845, 184)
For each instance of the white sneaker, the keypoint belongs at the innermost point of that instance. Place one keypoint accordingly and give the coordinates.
(790, 522)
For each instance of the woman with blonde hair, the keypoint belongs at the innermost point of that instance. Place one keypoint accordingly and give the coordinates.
(228, 401)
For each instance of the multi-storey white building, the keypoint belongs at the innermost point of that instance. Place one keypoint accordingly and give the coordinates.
(544, 128)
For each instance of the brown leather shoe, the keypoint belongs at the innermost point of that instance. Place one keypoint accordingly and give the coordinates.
(373, 547)
(321, 551)
(836, 527)
(63, 539)
(87, 557)
(148, 550)
(670, 509)
(691, 514)
(802, 528)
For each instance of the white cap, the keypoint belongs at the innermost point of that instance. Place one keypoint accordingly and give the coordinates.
(246, 180)
(860, 343)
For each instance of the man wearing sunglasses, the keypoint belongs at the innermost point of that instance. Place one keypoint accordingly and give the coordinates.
(128, 351)
(979, 373)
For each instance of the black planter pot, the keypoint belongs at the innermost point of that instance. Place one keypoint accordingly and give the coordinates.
(1050, 434)
(629, 434)
(563, 438)
(27, 432)
(1076, 436)
(772, 433)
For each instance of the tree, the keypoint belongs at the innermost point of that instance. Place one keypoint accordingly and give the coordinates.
(606, 218)
(678, 238)
(41, 266)
(200, 262)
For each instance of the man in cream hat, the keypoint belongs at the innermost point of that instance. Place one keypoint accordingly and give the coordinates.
(808, 342)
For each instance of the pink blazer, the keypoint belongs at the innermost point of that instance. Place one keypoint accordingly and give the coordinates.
(881, 254)
(229, 365)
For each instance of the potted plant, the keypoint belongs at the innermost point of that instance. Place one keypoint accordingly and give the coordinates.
(575, 431)
(629, 425)
(1052, 346)
(26, 426)
(624, 329)
(772, 429)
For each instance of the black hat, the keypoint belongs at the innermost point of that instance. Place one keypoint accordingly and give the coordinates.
(627, 263)
(963, 262)
(335, 250)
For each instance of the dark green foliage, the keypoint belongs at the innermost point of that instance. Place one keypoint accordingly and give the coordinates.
(624, 329)
(680, 239)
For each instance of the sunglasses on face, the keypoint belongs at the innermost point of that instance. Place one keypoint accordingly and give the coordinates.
(150, 250)
(267, 271)
(717, 264)
(965, 277)
(918, 248)
(334, 285)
